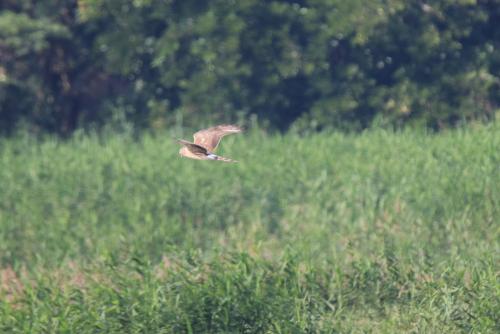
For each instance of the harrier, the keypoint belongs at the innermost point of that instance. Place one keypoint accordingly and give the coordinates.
(205, 143)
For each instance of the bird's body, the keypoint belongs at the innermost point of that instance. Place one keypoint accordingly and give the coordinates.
(205, 142)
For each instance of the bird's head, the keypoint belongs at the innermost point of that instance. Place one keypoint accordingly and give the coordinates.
(182, 151)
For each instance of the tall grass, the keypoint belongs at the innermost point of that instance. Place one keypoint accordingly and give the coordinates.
(382, 232)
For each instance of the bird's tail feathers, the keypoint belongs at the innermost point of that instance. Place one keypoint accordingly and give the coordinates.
(225, 159)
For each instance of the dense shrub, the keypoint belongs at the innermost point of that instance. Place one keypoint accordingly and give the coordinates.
(308, 64)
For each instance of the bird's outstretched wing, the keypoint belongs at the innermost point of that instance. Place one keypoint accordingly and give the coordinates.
(194, 148)
(210, 138)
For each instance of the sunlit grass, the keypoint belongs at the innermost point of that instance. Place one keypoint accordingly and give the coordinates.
(383, 232)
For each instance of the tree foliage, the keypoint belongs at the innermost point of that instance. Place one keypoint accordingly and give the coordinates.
(308, 64)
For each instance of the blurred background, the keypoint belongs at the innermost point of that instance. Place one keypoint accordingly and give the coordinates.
(302, 64)
(340, 231)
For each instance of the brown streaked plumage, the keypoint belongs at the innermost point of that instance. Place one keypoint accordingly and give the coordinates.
(205, 143)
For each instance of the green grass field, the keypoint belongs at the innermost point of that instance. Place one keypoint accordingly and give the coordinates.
(380, 232)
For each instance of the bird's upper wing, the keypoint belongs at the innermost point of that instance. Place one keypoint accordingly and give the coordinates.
(210, 138)
(194, 148)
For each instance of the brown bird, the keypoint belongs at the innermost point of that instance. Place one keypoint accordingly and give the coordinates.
(205, 143)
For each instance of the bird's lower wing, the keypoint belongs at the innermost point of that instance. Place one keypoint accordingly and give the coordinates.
(193, 147)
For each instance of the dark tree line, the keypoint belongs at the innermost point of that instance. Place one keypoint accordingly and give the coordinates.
(308, 64)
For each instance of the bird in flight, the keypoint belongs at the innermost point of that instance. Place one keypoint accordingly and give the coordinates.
(205, 143)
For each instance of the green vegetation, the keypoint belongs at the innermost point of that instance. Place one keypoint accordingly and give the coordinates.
(305, 64)
(380, 232)
(348, 212)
